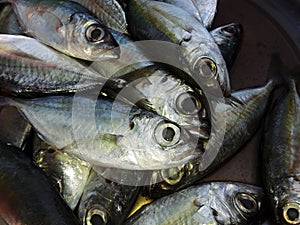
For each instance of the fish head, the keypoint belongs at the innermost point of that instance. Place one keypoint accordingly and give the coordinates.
(91, 40)
(233, 203)
(207, 64)
(172, 98)
(157, 143)
(288, 203)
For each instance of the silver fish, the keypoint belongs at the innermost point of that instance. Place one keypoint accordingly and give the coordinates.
(241, 113)
(66, 26)
(106, 202)
(152, 20)
(27, 66)
(109, 134)
(68, 173)
(109, 12)
(209, 203)
(228, 38)
(202, 10)
(281, 157)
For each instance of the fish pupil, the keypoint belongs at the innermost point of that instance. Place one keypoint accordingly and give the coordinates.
(247, 204)
(189, 105)
(293, 214)
(97, 220)
(168, 134)
(207, 67)
(95, 34)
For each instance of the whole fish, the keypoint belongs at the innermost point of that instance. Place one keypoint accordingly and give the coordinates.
(108, 133)
(27, 66)
(152, 20)
(228, 38)
(65, 26)
(242, 115)
(281, 157)
(68, 173)
(109, 12)
(202, 10)
(26, 195)
(106, 201)
(209, 203)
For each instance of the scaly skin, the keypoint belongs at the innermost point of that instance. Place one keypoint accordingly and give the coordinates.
(281, 157)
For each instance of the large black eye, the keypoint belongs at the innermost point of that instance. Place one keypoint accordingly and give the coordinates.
(94, 33)
(188, 104)
(96, 217)
(230, 31)
(167, 134)
(206, 67)
(291, 213)
(246, 203)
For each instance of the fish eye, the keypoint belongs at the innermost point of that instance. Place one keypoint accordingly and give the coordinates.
(230, 31)
(96, 217)
(173, 175)
(246, 203)
(167, 134)
(94, 33)
(291, 213)
(206, 67)
(188, 104)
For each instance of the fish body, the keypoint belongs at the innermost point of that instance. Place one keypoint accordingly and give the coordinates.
(107, 133)
(65, 26)
(242, 113)
(208, 203)
(68, 173)
(152, 20)
(28, 67)
(202, 10)
(27, 197)
(109, 12)
(281, 157)
(228, 38)
(106, 201)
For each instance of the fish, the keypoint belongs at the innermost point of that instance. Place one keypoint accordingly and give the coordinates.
(65, 26)
(106, 202)
(242, 113)
(27, 197)
(223, 203)
(196, 49)
(228, 38)
(14, 130)
(9, 21)
(28, 67)
(67, 173)
(109, 12)
(108, 133)
(202, 10)
(281, 156)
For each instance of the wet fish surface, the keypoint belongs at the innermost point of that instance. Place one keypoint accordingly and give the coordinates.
(67, 173)
(24, 190)
(110, 133)
(281, 156)
(66, 26)
(109, 12)
(27, 66)
(106, 202)
(210, 203)
(242, 113)
(152, 20)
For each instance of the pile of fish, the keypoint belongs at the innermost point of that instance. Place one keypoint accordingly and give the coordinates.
(126, 106)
